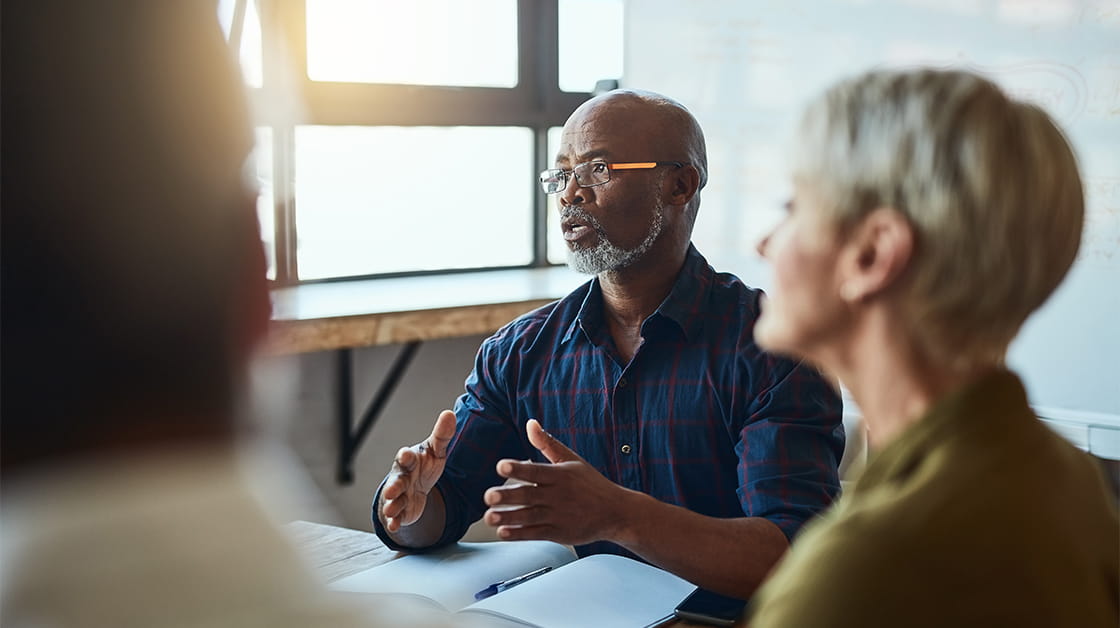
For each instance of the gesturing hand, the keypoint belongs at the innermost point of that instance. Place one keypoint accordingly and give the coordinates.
(415, 471)
(567, 501)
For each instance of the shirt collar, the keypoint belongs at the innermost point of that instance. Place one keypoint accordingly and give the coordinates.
(589, 316)
(688, 299)
(683, 306)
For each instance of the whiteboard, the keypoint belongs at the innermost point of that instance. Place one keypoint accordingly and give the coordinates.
(746, 69)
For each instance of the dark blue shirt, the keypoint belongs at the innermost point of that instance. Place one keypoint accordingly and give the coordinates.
(700, 417)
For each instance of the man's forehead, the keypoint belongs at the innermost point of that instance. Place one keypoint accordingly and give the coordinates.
(577, 150)
(581, 143)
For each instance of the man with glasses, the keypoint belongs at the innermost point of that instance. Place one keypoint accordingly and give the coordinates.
(636, 415)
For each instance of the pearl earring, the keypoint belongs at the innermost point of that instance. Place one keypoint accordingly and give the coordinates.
(849, 292)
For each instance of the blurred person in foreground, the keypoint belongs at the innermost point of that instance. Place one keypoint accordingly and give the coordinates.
(931, 215)
(637, 414)
(134, 293)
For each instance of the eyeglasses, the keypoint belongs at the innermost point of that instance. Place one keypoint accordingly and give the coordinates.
(592, 173)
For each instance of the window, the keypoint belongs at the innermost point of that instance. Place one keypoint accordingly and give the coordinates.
(393, 199)
(242, 26)
(433, 42)
(405, 137)
(557, 250)
(590, 43)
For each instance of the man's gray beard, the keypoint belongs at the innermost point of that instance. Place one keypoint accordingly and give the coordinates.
(605, 256)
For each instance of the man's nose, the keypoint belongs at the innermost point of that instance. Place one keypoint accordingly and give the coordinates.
(573, 194)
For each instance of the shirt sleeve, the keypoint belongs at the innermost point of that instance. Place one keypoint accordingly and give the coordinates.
(486, 431)
(790, 445)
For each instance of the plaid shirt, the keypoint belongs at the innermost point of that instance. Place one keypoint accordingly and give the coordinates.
(700, 417)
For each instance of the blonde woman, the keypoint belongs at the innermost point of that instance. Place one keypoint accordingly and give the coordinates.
(931, 215)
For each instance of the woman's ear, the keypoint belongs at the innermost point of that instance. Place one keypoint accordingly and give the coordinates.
(880, 247)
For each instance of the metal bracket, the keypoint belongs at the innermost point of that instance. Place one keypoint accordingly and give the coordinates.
(350, 441)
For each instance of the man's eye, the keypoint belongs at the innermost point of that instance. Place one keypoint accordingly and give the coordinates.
(598, 167)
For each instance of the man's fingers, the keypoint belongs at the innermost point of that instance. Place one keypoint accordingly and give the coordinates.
(394, 488)
(552, 449)
(533, 515)
(392, 508)
(406, 459)
(410, 466)
(527, 533)
(442, 433)
(525, 471)
(515, 495)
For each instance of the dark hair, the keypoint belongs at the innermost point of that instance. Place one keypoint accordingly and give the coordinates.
(124, 230)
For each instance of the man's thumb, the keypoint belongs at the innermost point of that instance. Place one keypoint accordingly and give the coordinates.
(552, 449)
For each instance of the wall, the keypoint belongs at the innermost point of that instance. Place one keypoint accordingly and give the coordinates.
(301, 408)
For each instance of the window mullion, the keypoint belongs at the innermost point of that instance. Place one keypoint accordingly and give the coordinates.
(283, 190)
(538, 49)
(284, 69)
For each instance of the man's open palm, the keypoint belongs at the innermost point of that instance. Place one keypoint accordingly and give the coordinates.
(415, 471)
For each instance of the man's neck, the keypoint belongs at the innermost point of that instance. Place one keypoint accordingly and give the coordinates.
(632, 294)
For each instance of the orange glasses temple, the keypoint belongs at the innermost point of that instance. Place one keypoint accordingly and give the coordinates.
(638, 165)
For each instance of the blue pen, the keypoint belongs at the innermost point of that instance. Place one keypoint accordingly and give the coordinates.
(498, 587)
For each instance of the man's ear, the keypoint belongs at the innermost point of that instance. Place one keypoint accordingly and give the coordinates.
(879, 249)
(684, 182)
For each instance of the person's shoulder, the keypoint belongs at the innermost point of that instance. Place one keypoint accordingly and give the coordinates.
(1036, 462)
(714, 295)
(731, 288)
(843, 563)
(998, 460)
(733, 304)
(966, 477)
(550, 319)
(730, 291)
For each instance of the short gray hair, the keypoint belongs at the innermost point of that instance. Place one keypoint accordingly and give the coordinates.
(989, 184)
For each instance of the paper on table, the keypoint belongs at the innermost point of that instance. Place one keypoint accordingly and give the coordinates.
(604, 591)
(451, 576)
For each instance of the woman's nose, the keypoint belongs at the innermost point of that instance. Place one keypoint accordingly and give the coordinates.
(762, 244)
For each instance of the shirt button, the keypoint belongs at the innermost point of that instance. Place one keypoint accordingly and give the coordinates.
(626, 449)
(622, 382)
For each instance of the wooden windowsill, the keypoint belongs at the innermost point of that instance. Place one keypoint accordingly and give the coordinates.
(318, 317)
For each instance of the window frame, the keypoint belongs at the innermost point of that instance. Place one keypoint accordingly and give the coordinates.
(536, 102)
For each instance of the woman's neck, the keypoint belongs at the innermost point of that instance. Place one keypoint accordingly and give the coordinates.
(893, 383)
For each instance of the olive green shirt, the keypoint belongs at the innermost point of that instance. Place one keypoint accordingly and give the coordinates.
(977, 515)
